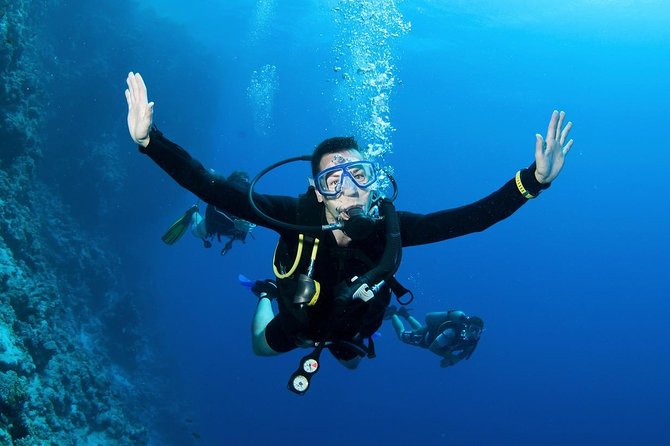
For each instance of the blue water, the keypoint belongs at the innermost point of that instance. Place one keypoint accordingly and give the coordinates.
(573, 287)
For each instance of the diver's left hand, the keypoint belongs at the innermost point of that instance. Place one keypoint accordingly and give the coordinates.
(140, 110)
(550, 154)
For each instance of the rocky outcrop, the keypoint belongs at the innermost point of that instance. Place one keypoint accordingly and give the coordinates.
(60, 383)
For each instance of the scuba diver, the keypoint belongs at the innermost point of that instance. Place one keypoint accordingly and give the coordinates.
(449, 334)
(215, 224)
(341, 242)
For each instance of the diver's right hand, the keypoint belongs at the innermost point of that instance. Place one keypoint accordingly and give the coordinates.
(392, 310)
(403, 312)
(140, 110)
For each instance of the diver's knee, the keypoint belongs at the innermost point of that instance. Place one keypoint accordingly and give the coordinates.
(262, 350)
(260, 346)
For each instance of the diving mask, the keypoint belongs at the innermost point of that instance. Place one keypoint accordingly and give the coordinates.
(471, 333)
(330, 182)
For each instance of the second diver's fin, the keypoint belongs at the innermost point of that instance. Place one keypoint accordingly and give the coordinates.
(260, 288)
(246, 282)
(179, 227)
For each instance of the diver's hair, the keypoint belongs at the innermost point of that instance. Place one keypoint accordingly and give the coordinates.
(239, 176)
(332, 145)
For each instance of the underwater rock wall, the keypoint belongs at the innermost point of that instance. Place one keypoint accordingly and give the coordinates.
(60, 296)
(18, 101)
(77, 365)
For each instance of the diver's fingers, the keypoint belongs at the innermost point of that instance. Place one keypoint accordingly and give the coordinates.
(565, 132)
(539, 145)
(135, 91)
(551, 129)
(131, 89)
(128, 99)
(142, 90)
(559, 126)
(567, 147)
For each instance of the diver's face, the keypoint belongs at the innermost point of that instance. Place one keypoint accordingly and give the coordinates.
(350, 196)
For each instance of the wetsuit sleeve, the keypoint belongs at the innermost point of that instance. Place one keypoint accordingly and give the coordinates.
(419, 229)
(226, 195)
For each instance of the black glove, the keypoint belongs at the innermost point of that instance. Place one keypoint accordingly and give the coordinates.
(390, 311)
(265, 288)
(403, 312)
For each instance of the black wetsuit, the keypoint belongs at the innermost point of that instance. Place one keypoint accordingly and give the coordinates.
(334, 264)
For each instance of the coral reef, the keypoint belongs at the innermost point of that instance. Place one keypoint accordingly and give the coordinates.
(19, 84)
(72, 347)
(60, 298)
(56, 380)
(58, 338)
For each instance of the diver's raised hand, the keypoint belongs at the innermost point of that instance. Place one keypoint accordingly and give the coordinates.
(140, 110)
(550, 152)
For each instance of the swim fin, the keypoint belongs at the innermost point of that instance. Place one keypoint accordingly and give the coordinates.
(246, 282)
(180, 226)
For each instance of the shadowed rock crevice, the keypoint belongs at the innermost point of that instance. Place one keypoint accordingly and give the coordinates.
(73, 345)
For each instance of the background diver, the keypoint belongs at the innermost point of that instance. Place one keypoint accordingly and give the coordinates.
(214, 224)
(334, 285)
(449, 334)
